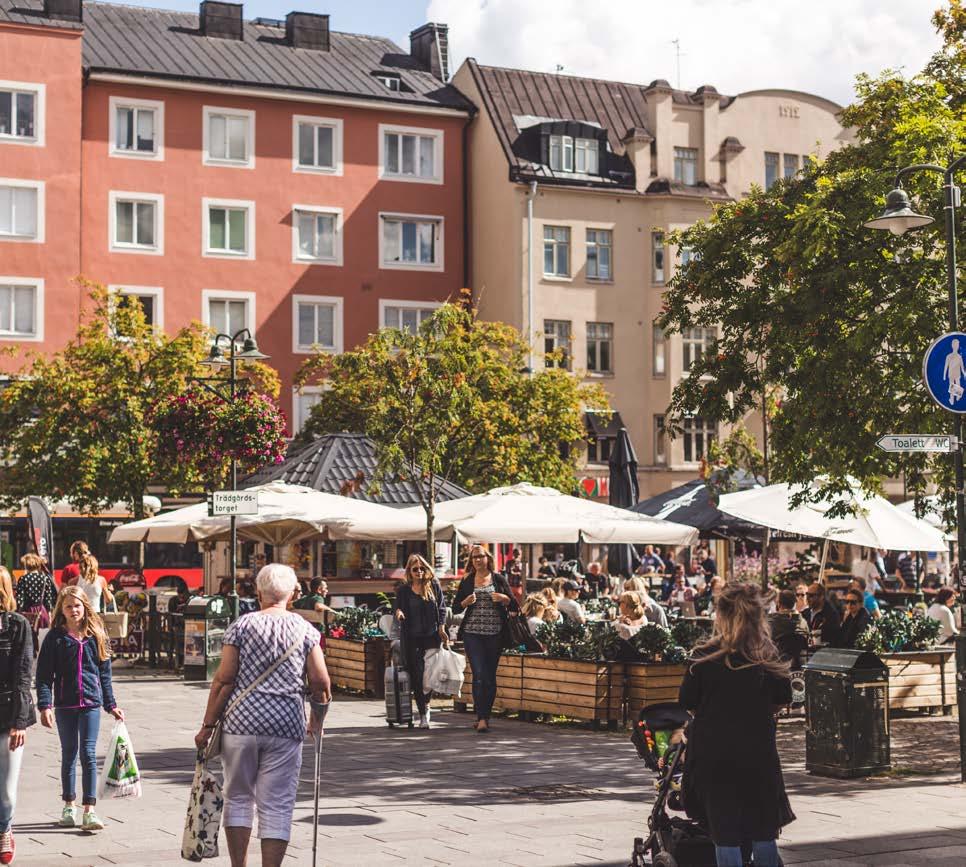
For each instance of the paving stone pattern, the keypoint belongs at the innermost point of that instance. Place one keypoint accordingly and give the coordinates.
(527, 794)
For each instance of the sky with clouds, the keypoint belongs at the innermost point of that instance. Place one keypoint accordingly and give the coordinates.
(813, 45)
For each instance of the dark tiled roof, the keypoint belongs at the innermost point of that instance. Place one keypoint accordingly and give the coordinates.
(344, 463)
(159, 43)
(616, 107)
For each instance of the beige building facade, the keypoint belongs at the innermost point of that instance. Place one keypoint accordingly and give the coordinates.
(573, 186)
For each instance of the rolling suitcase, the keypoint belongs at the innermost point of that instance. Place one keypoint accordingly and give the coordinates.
(399, 692)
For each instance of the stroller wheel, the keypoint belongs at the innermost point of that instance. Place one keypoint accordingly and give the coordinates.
(665, 859)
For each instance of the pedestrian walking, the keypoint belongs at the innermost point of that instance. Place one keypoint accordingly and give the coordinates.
(16, 707)
(68, 575)
(92, 583)
(259, 689)
(421, 611)
(73, 684)
(733, 686)
(484, 596)
(36, 593)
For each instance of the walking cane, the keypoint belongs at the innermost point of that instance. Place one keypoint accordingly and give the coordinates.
(319, 712)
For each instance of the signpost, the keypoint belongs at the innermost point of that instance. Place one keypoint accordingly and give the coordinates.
(232, 503)
(917, 443)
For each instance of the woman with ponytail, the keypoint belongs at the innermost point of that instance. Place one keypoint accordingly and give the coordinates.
(94, 585)
(735, 683)
(75, 667)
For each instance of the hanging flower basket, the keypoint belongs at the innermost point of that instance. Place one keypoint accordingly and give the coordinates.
(208, 431)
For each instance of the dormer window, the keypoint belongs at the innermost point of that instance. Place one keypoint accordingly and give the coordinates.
(393, 82)
(569, 154)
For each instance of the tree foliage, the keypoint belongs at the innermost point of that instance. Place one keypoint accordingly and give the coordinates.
(832, 316)
(454, 401)
(77, 424)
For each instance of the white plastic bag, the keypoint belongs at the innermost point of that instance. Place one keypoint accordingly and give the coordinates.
(444, 672)
(120, 777)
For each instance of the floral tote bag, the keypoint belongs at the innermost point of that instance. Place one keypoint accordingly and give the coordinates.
(201, 824)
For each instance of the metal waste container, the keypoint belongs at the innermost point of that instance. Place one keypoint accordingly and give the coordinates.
(846, 714)
(205, 620)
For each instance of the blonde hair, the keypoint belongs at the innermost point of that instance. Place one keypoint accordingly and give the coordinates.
(533, 606)
(558, 585)
(91, 625)
(550, 597)
(427, 592)
(741, 630)
(636, 585)
(32, 562)
(89, 567)
(470, 569)
(632, 599)
(8, 601)
(78, 549)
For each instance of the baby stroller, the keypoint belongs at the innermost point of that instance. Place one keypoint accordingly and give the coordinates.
(672, 841)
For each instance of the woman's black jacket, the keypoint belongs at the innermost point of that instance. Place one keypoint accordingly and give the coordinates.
(500, 585)
(16, 660)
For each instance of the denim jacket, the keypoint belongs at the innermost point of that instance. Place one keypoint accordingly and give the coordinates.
(71, 675)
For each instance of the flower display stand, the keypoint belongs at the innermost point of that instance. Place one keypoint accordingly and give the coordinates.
(355, 665)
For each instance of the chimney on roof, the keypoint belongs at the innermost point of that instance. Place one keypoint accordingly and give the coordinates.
(64, 10)
(307, 30)
(429, 46)
(221, 20)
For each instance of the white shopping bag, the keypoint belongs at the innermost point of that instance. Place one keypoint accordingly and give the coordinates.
(120, 777)
(444, 672)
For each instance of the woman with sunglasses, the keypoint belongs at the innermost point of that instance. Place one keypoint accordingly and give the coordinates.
(484, 597)
(420, 610)
(856, 619)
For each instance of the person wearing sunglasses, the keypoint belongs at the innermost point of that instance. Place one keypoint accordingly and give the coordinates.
(485, 598)
(821, 616)
(856, 619)
(801, 598)
(421, 612)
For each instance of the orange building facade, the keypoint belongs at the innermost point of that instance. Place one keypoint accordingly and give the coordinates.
(268, 175)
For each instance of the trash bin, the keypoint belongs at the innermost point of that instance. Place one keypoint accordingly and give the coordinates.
(205, 620)
(846, 714)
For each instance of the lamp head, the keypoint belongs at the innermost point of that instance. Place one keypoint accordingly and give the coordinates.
(898, 216)
(216, 357)
(250, 351)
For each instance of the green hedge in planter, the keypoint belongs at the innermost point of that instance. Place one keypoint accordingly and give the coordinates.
(897, 631)
(356, 624)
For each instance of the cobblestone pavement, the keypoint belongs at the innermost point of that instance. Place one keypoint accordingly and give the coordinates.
(527, 794)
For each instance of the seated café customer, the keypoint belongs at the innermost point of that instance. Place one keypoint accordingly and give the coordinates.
(546, 569)
(856, 619)
(941, 610)
(568, 605)
(550, 614)
(597, 579)
(533, 608)
(869, 601)
(821, 616)
(682, 596)
(801, 598)
(314, 600)
(789, 631)
(653, 610)
(631, 617)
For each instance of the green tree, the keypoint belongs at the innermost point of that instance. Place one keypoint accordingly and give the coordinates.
(77, 425)
(454, 401)
(833, 317)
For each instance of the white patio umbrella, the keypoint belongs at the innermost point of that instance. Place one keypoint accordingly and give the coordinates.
(932, 516)
(526, 513)
(286, 514)
(876, 523)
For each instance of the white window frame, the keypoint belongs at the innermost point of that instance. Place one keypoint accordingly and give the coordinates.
(155, 292)
(37, 284)
(658, 352)
(590, 148)
(658, 245)
(115, 196)
(597, 340)
(335, 124)
(685, 162)
(297, 421)
(597, 245)
(557, 338)
(695, 343)
(708, 429)
(40, 113)
(660, 441)
(209, 295)
(419, 218)
(157, 106)
(337, 303)
(405, 305)
(236, 204)
(777, 166)
(569, 242)
(41, 188)
(206, 112)
(298, 256)
(436, 134)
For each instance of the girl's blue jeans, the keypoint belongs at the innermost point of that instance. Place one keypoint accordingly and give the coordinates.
(78, 728)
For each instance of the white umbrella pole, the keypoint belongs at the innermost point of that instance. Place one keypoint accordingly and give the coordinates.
(821, 567)
(764, 558)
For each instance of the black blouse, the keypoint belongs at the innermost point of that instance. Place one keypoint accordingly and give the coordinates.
(33, 589)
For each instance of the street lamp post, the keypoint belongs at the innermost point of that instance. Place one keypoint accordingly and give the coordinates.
(216, 358)
(898, 218)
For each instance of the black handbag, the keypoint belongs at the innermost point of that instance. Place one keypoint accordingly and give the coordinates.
(516, 634)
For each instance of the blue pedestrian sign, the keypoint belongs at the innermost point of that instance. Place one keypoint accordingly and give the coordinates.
(944, 371)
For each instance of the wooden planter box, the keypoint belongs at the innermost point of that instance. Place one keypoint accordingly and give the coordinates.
(650, 683)
(922, 680)
(509, 685)
(357, 665)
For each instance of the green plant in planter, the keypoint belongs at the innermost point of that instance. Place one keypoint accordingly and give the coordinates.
(687, 633)
(565, 638)
(601, 642)
(897, 631)
(652, 639)
(676, 655)
(923, 632)
(356, 624)
(870, 640)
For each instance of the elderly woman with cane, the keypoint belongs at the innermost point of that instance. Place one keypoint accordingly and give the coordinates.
(259, 688)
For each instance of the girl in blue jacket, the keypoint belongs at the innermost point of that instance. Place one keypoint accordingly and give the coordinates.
(74, 678)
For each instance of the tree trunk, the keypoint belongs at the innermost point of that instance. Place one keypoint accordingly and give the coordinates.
(430, 535)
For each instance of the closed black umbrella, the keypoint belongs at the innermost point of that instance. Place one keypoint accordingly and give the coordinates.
(624, 492)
